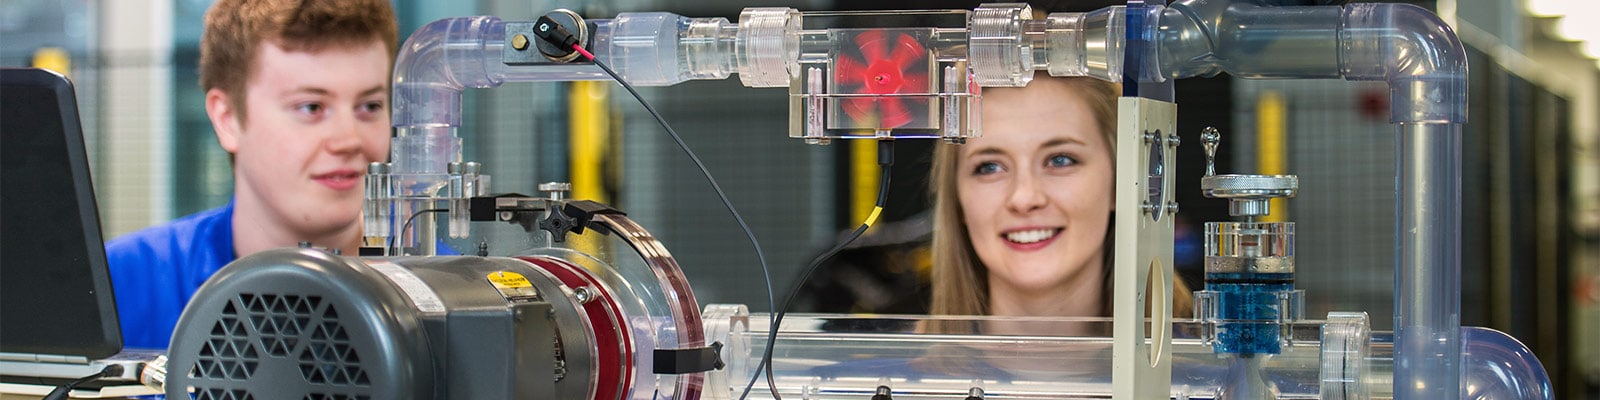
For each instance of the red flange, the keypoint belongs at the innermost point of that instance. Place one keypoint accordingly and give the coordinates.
(612, 337)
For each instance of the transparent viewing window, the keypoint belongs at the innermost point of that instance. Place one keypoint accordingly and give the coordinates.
(1250, 239)
(907, 77)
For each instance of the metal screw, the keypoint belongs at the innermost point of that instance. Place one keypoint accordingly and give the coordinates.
(519, 42)
(506, 215)
(584, 294)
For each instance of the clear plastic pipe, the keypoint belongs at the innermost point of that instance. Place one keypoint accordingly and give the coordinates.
(1428, 281)
(447, 56)
(442, 59)
(1424, 65)
(1497, 366)
(821, 356)
(1426, 69)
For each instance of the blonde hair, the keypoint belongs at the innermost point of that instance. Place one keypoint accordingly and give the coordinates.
(960, 280)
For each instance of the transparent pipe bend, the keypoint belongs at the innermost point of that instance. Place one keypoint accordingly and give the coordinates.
(830, 356)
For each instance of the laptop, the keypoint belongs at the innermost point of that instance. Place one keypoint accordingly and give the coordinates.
(58, 317)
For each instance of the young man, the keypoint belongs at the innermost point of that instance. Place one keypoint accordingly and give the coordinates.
(297, 92)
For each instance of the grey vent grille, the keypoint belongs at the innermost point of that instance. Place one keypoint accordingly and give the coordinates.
(328, 357)
(301, 332)
(222, 394)
(227, 354)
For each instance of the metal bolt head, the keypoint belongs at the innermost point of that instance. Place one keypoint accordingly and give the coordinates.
(584, 294)
(555, 187)
(519, 42)
(555, 190)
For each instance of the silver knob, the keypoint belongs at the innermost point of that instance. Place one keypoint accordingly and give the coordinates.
(555, 190)
(1210, 137)
(1248, 194)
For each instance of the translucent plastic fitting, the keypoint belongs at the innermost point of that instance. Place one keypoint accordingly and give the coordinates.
(465, 183)
(376, 205)
(1249, 247)
(995, 45)
(826, 356)
(770, 42)
(1081, 44)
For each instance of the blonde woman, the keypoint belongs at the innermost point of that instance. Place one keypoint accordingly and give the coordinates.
(1022, 215)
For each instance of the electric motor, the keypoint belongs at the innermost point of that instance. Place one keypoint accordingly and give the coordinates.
(554, 323)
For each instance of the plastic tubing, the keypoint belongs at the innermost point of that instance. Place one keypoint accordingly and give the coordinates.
(447, 56)
(442, 59)
(1425, 67)
(847, 357)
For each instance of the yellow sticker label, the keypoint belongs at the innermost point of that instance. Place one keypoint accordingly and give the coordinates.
(508, 280)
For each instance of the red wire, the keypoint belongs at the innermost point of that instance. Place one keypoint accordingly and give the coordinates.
(585, 53)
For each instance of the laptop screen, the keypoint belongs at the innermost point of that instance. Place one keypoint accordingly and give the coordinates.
(55, 287)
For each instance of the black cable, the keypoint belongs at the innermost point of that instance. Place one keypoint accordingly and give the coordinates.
(885, 161)
(61, 392)
(760, 256)
(407, 226)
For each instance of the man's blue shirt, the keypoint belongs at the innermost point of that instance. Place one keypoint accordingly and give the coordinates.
(156, 270)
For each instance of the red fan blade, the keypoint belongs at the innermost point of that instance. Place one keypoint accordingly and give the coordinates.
(847, 70)
(906, 50)
(858, 108)
(892, 113)
(914, 82)
(872, 48)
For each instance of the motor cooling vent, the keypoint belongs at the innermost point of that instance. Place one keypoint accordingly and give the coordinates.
(253, 327)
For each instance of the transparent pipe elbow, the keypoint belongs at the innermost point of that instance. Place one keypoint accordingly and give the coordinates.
(447, 56)
(1415, 52)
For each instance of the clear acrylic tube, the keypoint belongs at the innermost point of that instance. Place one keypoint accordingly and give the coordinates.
(1427, 305)
(828, 356)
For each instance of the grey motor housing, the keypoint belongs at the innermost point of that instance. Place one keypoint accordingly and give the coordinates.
(305, 324)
